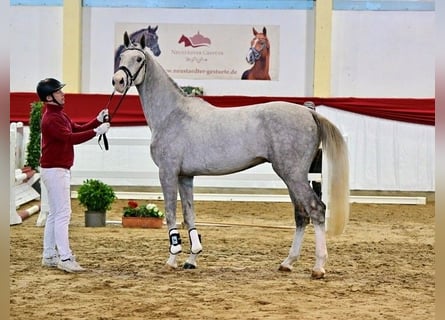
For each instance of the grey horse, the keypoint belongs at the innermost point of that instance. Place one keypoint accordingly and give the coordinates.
(191, 137)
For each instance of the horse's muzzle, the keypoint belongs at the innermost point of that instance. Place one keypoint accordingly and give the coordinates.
(119, 81)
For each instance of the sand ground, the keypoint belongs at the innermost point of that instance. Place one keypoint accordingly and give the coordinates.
(382, 267)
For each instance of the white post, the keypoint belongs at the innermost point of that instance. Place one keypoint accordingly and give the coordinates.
(14, 218)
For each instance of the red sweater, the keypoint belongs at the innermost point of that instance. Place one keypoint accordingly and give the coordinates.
(59, 135)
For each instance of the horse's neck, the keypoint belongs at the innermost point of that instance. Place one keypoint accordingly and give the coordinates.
(264, 62)
(159, 95)
(261, 66)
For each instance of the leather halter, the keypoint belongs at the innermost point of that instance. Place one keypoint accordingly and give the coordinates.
(257, 53)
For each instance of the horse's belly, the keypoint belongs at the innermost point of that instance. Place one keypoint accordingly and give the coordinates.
(220, 166)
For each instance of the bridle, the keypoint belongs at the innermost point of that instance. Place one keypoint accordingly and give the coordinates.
(257, 53)
(130, 80)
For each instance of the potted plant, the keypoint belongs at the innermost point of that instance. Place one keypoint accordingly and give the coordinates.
(97, 198)
(142, 216)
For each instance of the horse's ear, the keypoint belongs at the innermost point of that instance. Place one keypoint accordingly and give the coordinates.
(126, 39)
(142, 41)
(155, 29)
(264, 31)
(254, 31)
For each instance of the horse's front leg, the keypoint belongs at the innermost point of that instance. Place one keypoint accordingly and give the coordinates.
(186, 194)
(169, 184)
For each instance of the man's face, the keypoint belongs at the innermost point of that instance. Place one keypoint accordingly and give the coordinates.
(58, 95)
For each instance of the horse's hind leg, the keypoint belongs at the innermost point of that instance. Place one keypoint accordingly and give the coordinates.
(321, 252)
(186, 194)
(295, 249)
(308, 206)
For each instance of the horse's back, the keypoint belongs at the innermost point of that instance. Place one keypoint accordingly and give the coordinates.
(277, 116)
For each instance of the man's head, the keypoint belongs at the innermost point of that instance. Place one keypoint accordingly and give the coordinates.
(50, 90)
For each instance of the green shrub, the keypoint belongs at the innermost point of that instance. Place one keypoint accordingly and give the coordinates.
(33, 147)
(95, 195)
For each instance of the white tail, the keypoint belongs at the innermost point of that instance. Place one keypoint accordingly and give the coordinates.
(336, 152)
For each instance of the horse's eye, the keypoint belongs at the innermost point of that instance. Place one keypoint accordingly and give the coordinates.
(139, 59)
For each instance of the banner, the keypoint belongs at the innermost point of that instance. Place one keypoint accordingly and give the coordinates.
(207, 51)
(412, 110)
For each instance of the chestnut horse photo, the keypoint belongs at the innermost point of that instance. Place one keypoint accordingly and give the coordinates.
(258, 55)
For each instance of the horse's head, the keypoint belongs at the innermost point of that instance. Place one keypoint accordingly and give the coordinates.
(183, 39)
(151, 40)
(259, 46)
(132, 64)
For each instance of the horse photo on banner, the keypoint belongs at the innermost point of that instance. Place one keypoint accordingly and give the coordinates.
(258, 56)
(206, 51)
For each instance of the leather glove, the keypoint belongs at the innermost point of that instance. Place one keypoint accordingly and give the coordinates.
(102, 129)
(102, 115)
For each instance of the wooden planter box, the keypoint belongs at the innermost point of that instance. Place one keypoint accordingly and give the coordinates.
(142, 222)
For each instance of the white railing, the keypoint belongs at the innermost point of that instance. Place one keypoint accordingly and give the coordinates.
(20, 182)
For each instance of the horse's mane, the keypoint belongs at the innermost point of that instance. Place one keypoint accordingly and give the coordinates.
(152, 59)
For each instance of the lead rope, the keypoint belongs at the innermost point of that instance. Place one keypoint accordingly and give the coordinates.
(129, 83)
(108, 118)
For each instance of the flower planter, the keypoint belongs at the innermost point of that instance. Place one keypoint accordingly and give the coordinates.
(142, 222)
(95, 219)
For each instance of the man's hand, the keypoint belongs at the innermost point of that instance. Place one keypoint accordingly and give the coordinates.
(102, 116)
(102, 129)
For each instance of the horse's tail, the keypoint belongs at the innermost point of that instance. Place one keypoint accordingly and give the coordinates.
(335, 149)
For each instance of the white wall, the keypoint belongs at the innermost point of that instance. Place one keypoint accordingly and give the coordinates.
(383, 54)
(35, 46)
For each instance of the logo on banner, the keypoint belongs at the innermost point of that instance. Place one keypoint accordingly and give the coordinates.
(198, 40)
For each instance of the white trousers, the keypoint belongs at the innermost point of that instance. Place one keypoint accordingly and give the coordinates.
(56, 237)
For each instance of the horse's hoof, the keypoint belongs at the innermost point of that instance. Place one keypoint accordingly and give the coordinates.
(188, 266)
(285, 269)
(317, 274)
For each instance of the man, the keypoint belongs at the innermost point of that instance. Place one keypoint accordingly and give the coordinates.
(59, 135)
